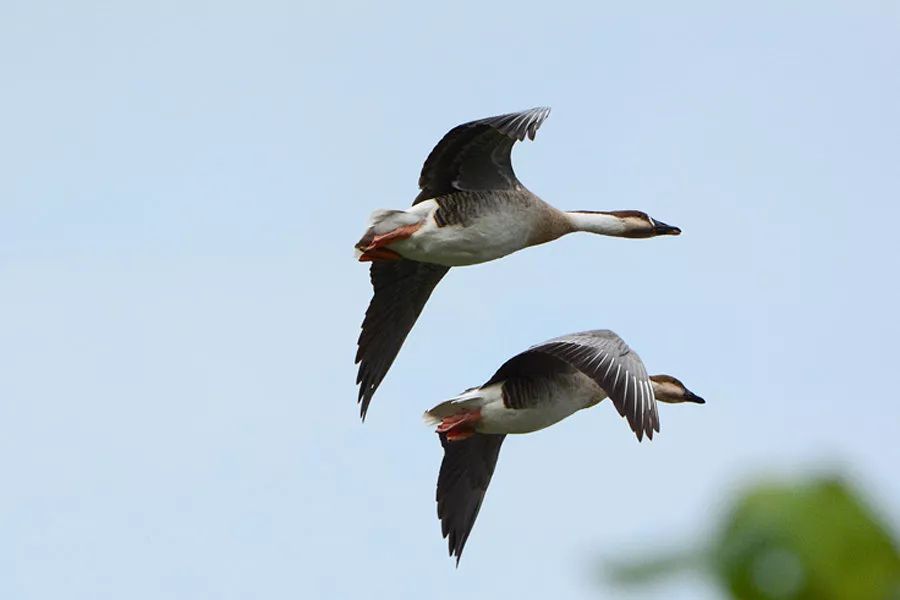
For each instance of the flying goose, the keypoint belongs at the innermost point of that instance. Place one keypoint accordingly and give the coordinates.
(531, 391)
(471, 209)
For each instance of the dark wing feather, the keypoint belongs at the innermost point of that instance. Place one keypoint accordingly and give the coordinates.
(601, 355)
(617, 369)
(476, 156)
(402, 288)
(462, 482)
(527, 376)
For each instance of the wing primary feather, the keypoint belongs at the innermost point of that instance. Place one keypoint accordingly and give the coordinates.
(464, 476)
(596, 353)
(476, 155)
(401, 289)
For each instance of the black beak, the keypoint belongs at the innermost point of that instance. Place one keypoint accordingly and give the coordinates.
(660, 228)
(690, 396)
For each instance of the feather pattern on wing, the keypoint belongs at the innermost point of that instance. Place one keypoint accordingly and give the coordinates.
(476, 156)
(463, 480)
(601, 355)
(401, 289)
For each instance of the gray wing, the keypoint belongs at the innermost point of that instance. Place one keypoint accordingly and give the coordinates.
(529, 378)
(476, 156)
(402, 288)
(462, 482)
(601, 355)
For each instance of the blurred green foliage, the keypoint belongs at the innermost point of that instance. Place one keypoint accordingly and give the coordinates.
(815, 540)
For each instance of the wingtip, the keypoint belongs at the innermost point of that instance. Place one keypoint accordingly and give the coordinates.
(456, 551)
(363, 402)
(540, 115)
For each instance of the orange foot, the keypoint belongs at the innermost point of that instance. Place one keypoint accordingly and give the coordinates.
(376, 250)
(379, 254)
(459, 426)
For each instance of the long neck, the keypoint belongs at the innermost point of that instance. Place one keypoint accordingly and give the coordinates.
(597, 222)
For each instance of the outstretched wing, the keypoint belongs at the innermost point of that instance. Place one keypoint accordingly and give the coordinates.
(601, 355)
(462, 482)
(476, 156)
(402, 288)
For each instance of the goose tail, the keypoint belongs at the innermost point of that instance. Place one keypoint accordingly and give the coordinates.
(471, 399)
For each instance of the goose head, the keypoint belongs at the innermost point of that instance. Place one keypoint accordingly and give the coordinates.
(641, 225)
(620, 223)
(668, 389)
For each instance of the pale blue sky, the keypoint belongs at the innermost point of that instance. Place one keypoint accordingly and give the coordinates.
(181, 188)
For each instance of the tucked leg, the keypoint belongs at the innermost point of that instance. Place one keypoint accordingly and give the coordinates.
(459, 426)
(379, 254)
(374, 248)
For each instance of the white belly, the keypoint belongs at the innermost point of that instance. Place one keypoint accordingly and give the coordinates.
(580, 392)
(490, 237)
